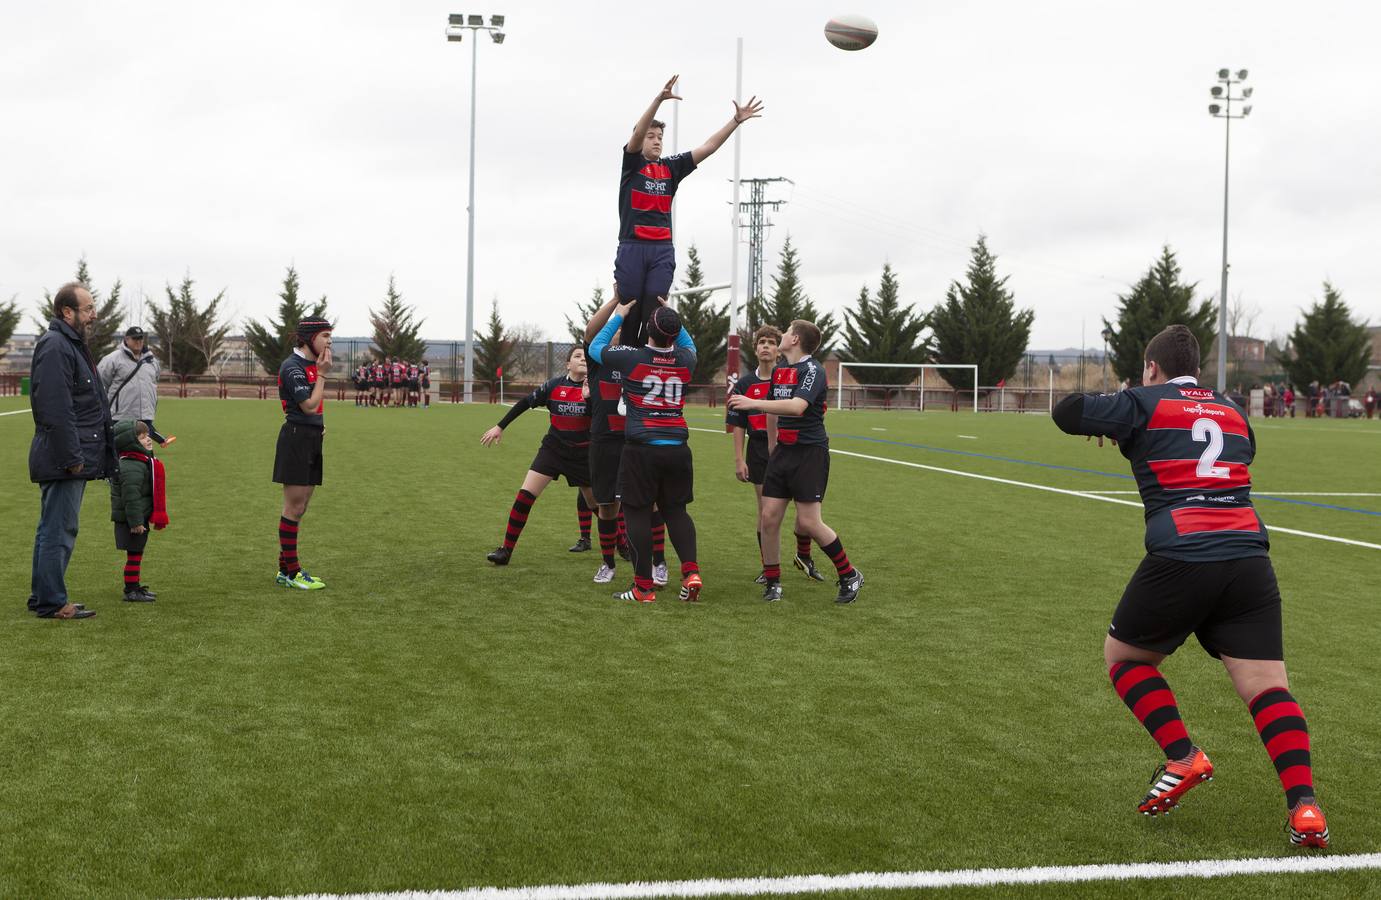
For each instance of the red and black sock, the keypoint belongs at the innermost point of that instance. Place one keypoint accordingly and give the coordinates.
(642, 583)
(583, 512)
(608, 540)
(1150, 699)
(1280, 722)
(835, 551)
(773, 573)
(132, 562)
(659, 539)
(803, 545)
(689, 568)
(287, 546)
(517, 517)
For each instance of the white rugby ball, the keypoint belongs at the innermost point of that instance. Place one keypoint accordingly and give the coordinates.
(851, 32)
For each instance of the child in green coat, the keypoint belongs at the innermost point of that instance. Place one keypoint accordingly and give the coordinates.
(137, 500)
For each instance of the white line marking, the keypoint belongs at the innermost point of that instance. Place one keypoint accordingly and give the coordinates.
(875, 428)
(968, 437)
(1087, 495)
(860, 881)
(14, 413)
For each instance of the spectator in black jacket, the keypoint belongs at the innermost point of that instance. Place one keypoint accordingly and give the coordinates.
(73, 443)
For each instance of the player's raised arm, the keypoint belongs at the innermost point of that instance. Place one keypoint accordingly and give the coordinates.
(606, 334)
(668, 92)
(601, 316)
(1097, 415)
(750, 110)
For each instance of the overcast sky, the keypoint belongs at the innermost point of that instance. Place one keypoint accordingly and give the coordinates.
(229, 141)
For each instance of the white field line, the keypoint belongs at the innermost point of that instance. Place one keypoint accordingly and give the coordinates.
(1275, 529)
(968, 437)
(14, 412)
(1266, 493)
(859, 881)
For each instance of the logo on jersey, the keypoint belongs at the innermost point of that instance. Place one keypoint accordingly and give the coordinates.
(1199, 394)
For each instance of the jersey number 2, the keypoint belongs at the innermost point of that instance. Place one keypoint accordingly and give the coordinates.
(1211, 431)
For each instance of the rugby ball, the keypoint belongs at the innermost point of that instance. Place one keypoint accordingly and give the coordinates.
(851, 32)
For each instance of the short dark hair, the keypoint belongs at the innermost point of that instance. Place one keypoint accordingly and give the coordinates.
(140, 428)
(767, 331)
(66, 297)
(664, 325)
(808, 332)
(657, 124)
(1175, 350)
(571, 352)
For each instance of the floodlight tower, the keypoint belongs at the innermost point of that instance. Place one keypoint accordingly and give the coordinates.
(456, 27)
(1221, 108)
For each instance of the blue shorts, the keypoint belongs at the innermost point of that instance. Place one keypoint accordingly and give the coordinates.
(644, 271)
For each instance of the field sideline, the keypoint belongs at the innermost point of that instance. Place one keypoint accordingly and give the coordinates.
(430, 722)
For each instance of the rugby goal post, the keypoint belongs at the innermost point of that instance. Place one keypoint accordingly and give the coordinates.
(839, 380)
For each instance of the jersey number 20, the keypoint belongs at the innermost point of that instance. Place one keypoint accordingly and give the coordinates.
(670, 391)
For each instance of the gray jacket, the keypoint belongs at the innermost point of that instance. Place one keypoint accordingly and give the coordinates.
(139, 398)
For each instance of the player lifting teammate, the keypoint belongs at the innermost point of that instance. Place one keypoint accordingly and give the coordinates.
(656, 466)
(1207, 571)
(297, 461)
(646, 259)
(750, 435)
(564, 450)
(799, 467)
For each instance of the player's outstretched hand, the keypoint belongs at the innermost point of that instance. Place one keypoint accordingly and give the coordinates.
(668, 92)
(624, 308)
(738, 401)
(492, 436)
(741, 470)
(750, 110)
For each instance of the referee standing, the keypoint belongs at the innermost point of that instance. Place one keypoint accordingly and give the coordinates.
(297, 461)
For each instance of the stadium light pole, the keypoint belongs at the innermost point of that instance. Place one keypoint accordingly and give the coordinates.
(1107, 338)
(1221, 108)
(457, 25)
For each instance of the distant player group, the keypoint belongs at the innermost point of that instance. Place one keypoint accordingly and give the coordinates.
(393, 382)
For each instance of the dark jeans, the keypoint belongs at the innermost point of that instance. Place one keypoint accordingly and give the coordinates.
(53, 543)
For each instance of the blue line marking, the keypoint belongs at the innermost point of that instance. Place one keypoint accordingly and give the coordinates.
(1041, 465)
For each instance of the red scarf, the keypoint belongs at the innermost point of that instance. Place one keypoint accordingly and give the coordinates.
(160, 496)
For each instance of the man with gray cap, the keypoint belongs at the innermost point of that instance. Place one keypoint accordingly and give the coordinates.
(130, 375)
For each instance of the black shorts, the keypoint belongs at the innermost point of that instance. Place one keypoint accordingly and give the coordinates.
(604, 469)
(412, 384)
(380, 385)
(557, 460)
(298, 457)
(129, 541)
(799, 472)
(756, 457)
(426, 382)
(1232, 606)
(663, 474)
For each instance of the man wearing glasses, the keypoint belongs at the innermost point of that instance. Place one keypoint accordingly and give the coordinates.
(74, 443)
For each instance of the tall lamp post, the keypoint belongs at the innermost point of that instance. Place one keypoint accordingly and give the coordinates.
(1107, 337)
(456, 27)
(1221, 108)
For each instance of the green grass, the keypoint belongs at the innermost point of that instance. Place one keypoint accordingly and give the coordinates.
(430, 721)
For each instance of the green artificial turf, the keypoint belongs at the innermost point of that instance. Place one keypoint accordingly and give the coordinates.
(430, 721)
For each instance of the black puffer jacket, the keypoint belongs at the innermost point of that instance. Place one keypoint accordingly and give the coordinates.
(71, 418)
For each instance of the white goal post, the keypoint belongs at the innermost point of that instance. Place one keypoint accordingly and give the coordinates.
(839, 380)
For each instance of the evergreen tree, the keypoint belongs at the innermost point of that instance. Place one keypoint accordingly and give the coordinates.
(787, 302)
(1327, 345)
(882, 330)
(706, 323)
(189, 339)
(1159, 299)
(493, 352)
(105, 332)
(395, 333)
(979, 323)
(272, 342)
(584, 313)
(9, 321)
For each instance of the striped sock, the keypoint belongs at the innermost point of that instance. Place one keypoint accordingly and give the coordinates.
(132, 562)
(1280, 722)
(643, 584)
(835, 552)
(608, 540)
(690, 567)
(583, 513)
(659, 539)
(803, 546)
(772, 572)
(517, 517)
(287, 546)
(1150, 699)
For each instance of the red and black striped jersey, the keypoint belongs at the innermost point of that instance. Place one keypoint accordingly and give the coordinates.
(565, 402)
(396, 371)
(654, 385)
(297, 376)
(750, 384)
(646, 190)
(607, 411)
(806, 380)
(1190, 449)
(413, 372)
(378, 371)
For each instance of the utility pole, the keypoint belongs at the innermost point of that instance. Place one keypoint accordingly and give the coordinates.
(755, 206)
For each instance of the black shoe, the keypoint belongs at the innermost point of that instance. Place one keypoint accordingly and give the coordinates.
(761, 579)
(145, 589)
(500, 556)
(771, 591)
(581, 545)
(137, 596)
(848, 586)
(807, 565)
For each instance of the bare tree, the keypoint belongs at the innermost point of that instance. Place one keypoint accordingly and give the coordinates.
(1242, 319)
